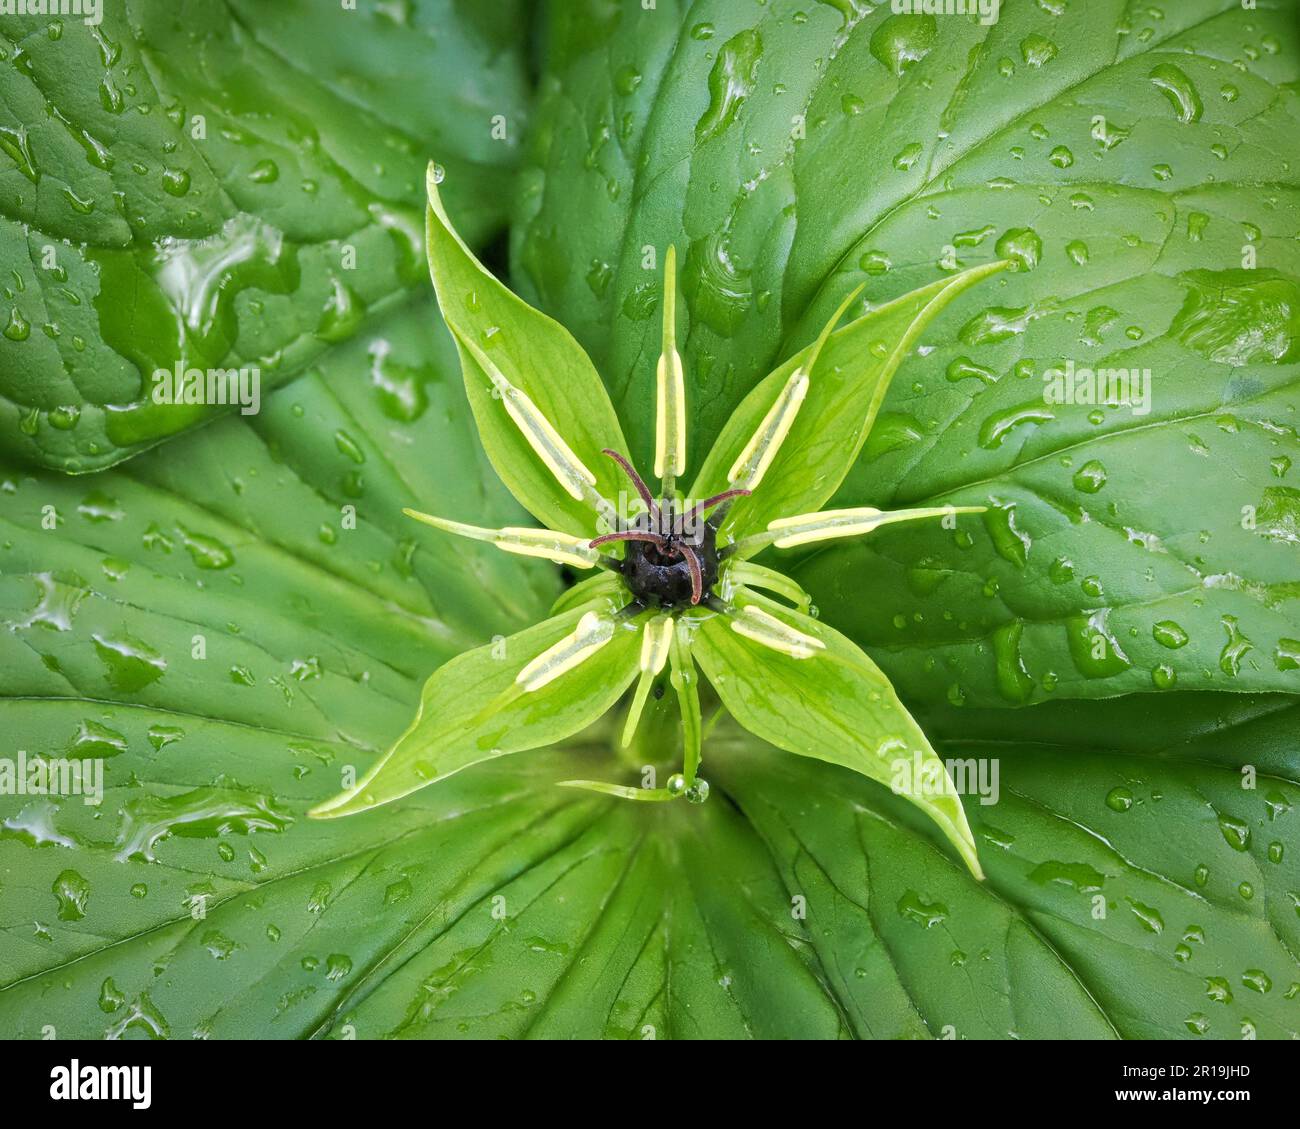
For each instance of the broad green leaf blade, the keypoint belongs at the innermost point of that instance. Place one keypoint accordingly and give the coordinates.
(1052, 138)
(227, 208)
(232, 621)
(403, 936)
(1223, 729)
(909, 956)
(847, 384)
(1187, 945)
(792, 151)
(501, 337)
(275, 549)
(834, 706)
(449, 77)
(472, 709)
(1109, 578)
(1093, 574)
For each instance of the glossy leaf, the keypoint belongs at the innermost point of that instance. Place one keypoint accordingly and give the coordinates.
(388, 923)
(1091, 574)
(238, 622)
(795, 151)
(1053, 138)
(396, 935)
(833, 705)
(201, 185)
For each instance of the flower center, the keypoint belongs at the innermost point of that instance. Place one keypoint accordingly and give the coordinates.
(659, 573)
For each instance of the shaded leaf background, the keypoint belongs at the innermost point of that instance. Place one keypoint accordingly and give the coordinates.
(624, 917)
(229, 248)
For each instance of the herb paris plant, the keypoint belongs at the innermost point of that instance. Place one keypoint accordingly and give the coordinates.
(685, 589)
(496, 905)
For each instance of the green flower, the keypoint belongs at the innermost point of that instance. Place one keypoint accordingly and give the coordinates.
(674, 585)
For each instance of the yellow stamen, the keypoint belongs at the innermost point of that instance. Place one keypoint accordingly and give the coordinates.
(655, 640)
(748, 469)
(807, 528)
(592, 633)
(545, 441)
(562, 548)
(756, 624)
(804, 529)
(670, 383)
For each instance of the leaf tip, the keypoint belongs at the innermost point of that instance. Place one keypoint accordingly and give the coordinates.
(433, 176)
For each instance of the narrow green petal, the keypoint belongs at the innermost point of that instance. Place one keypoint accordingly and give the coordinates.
(746, 574)
(562, 548)
(834, 706)
(594, 591)
(622, 791)
(644, 682)
(687, 684)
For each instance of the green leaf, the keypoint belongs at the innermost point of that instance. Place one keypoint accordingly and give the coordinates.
(1218, 729)
(247, 206)
(236, 622)
(472, 710)
(497, 904)
(791, 159)
(1117, 162)
(847, 383)
(495, 330)
(833, 706)
(1176, 952)
(1091, 574)
(388, 923)
(276, 547)
(353, 926)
